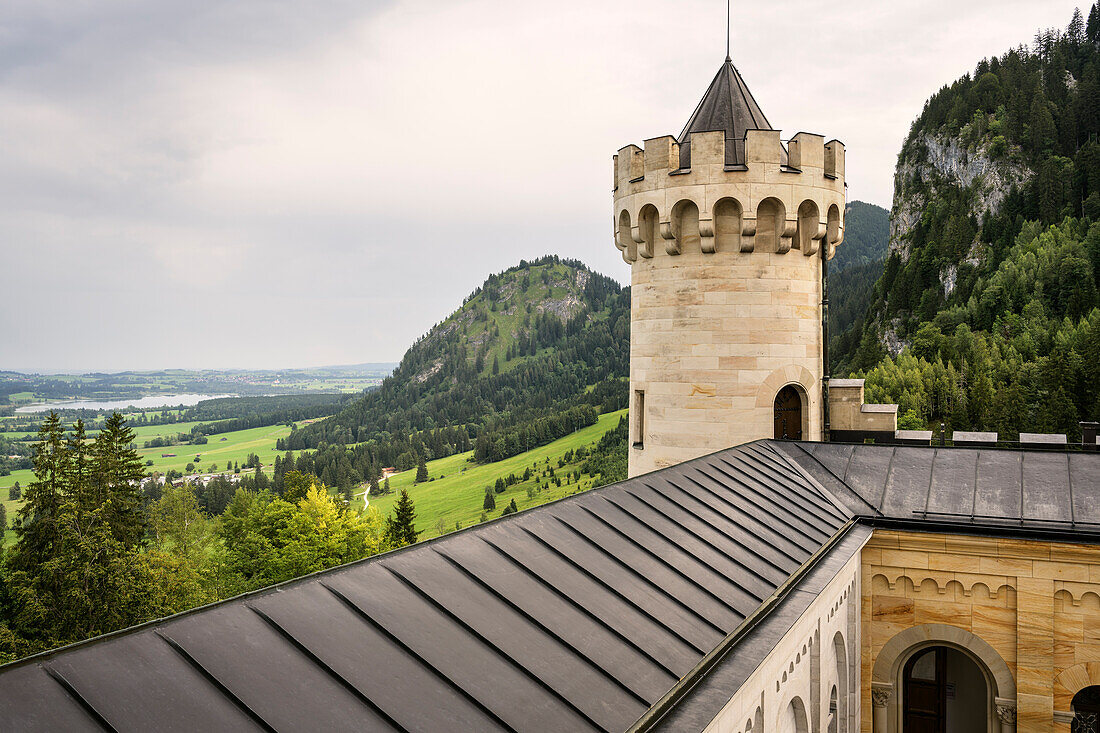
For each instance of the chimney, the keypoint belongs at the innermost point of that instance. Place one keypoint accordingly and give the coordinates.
(1088, 435)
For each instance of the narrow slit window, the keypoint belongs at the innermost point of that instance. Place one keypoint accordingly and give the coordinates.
(638, 413)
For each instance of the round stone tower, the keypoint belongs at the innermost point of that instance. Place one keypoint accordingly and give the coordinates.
(727, 232)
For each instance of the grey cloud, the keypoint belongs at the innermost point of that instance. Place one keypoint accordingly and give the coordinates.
(259, 183)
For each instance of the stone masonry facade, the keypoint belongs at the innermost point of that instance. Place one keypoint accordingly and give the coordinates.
(1027, 611)
(726, 287)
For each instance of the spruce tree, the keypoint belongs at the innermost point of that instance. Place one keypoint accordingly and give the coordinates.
(118, 473)
(490, 502)
(37, 531)
(400, 526)
(421, 472)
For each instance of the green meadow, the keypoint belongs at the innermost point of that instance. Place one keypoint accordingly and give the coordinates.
(453, 496)
(221, 449)
(233, 449)
(456, 489)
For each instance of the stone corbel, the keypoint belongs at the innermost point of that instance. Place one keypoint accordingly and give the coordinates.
(672, 245)
(839, 236)
(790, 227)
(645, 249)
(748, 233)
(816, 239)
(1006, 713)
(881, 692)
(706, 236)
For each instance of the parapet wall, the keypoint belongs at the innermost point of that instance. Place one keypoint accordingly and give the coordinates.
(853, 420)
(763, 205)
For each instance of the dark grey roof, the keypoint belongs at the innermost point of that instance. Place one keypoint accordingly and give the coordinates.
(1038, 491)
(727, 105)
(643, 603)
(578, 615)
(702, 702)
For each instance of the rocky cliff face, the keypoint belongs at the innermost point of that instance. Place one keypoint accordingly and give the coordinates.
(930, 163)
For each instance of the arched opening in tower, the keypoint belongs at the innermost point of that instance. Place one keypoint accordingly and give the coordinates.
(788, 414)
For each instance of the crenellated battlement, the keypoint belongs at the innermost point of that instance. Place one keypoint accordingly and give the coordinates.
(782, 197)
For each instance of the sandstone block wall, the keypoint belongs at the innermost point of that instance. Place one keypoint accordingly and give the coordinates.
(1035, 604)
(849, 413)
(713, 339)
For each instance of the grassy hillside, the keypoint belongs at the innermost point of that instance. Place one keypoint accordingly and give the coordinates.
(456, 491)
(235, 447)
(528, 339)
(534, 353)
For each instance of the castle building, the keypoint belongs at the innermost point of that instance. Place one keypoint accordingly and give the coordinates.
(762, 581)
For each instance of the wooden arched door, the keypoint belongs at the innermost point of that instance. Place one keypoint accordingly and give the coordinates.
(925, 692)
(788, 414)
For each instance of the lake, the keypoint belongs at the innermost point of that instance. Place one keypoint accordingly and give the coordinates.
(151, 402)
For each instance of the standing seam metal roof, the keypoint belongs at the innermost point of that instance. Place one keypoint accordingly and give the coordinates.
(1033, 490)
(645, 603)
(578, 615)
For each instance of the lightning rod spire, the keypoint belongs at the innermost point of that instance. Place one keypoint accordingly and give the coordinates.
(728, 30)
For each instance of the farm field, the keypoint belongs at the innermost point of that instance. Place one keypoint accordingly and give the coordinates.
(12, 507)
(142, 433)
(7, 424)
(458, 489)
(235, 448)
(222, 448)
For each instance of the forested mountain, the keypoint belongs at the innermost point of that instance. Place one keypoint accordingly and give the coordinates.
(866, 237)
(535, 352)
(856, 267)
(989, 293)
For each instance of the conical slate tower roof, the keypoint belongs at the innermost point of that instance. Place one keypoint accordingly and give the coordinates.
(728, 105)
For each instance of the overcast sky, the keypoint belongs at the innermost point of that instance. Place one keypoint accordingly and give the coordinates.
(253, 183)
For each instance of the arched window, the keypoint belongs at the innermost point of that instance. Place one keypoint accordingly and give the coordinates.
(1086, 710)
(727, 226)
(841, 654)
(795, 719)
(834, 712)
(685, 227)
(770, 220)
(943, 689)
